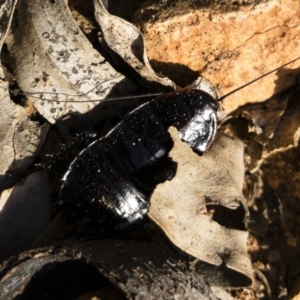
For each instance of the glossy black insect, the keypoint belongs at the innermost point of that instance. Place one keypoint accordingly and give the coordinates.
(109, 183)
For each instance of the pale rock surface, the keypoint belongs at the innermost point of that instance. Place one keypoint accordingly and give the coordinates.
(228, 44)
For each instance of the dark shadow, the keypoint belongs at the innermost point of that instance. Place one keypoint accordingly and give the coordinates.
(111, 111)
(137, 48)
(122, 9)
(229, 218)
(66, 280)
(180, 74)
(285, 77)
(9, 179)
(157, 9)
(223, 276)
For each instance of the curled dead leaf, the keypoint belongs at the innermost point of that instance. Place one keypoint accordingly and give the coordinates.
(20, 137)
(130, 45)
(56, 65)
(187, 207)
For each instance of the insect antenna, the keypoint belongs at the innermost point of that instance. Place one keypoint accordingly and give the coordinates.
(256, 79)
(18, 92)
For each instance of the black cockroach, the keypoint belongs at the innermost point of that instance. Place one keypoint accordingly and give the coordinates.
(108, 185)
(112, 179)
(114, 176)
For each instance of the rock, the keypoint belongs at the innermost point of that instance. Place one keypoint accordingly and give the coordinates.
(229, 44)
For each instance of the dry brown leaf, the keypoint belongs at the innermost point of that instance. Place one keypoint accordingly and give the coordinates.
(52, 56)
(179, 206)
(127, 41)
(25, 211)
(19, 136)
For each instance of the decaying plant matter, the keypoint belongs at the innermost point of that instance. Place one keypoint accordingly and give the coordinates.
(229, 216)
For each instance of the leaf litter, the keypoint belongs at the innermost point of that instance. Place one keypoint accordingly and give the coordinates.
(271, 161)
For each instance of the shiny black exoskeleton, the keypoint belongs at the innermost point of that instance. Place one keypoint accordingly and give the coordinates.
(108, 185)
